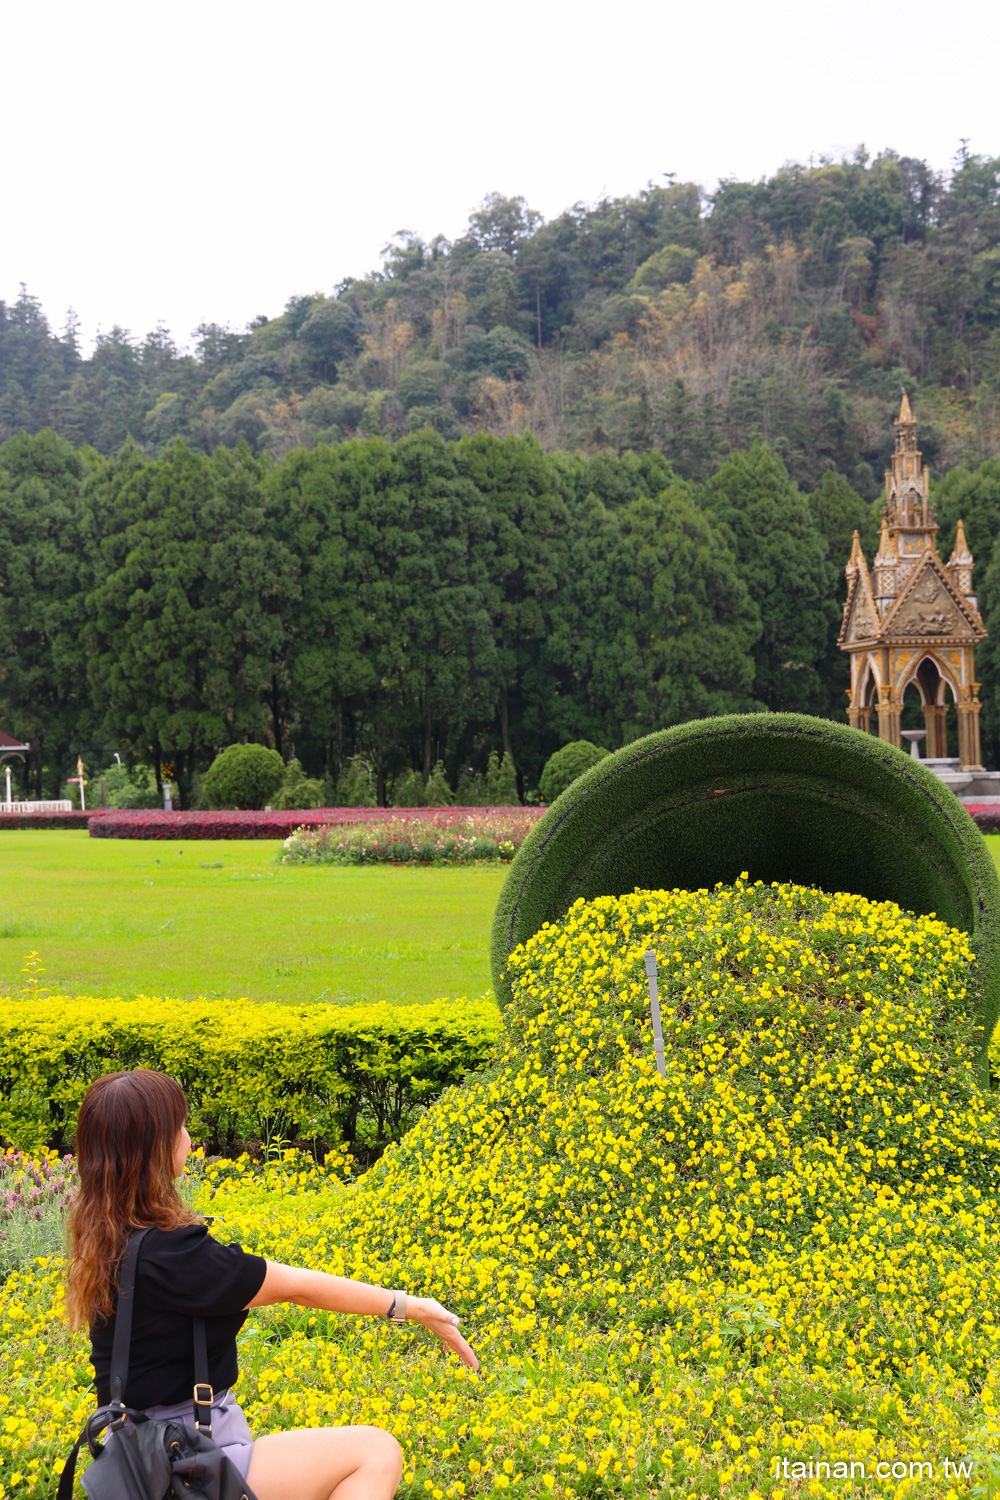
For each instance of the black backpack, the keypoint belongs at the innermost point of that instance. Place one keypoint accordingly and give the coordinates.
(145, 1460)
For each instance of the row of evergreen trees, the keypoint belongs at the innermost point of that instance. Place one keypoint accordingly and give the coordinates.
(494, 787)
(396, 606)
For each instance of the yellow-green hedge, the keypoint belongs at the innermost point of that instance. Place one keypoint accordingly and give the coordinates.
(250, 1072)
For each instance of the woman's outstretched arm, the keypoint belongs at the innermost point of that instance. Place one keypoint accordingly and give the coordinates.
(340, 1294)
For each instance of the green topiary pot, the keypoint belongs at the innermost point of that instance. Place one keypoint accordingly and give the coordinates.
(782, 796)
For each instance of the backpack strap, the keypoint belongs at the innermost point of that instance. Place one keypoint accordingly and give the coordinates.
(120, 1350)
(65, 1490)
(121, 1347)
(203, 1392)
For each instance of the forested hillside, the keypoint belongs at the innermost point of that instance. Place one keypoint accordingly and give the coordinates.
(789, 310)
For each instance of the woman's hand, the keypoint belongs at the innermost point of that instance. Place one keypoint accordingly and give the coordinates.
(429, 1312)
(339, 1294)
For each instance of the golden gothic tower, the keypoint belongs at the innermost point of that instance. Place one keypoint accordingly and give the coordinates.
(913, 621)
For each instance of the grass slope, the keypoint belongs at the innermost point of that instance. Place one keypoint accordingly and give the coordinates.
(113, 917)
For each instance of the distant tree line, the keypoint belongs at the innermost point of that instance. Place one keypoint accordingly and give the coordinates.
(400, 604)
(788, 311)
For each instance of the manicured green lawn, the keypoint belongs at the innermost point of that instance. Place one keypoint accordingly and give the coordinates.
(117, 916)
(123, 917)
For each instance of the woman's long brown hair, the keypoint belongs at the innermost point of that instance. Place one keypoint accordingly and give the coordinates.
(126, 1135)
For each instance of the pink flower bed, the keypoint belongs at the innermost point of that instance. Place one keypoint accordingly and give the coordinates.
(262, 825)
(417, 836)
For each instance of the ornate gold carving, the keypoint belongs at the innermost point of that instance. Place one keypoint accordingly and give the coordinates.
(912, 620)
(864, 621)
(929, 590)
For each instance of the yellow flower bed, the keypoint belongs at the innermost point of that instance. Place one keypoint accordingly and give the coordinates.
(781, 1254)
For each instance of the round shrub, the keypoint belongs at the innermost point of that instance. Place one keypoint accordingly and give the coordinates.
(243, 777)
(783, 796)
(562, 768)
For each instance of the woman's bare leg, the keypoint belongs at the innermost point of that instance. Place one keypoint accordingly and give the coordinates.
(326, 1463)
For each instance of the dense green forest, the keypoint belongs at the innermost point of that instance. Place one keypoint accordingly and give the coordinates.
(788, 311)
(400, 603)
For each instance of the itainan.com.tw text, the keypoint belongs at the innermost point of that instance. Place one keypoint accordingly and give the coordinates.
(900, 1468)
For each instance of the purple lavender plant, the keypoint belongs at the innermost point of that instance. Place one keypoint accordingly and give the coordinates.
(34, 1195)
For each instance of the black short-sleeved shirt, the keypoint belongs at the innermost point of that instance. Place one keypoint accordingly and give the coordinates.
(180, 1274)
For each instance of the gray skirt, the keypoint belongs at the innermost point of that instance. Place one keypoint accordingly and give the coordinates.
(229, 1426)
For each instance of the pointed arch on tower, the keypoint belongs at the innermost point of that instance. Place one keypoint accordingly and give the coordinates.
(931, 693)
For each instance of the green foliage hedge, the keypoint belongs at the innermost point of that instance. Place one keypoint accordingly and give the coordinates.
(251, 1072)
(782, 796)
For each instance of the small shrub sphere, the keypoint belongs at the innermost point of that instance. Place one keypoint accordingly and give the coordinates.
(562, 768)
(243, 777)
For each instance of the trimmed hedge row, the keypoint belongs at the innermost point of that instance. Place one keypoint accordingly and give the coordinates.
(47, 820)
(328, 1074)
(251, 825)
(213, 825)
(783, 796)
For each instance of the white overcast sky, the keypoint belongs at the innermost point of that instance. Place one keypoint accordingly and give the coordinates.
(205, 161)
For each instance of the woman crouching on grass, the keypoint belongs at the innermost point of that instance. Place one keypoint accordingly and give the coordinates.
(132, 1143)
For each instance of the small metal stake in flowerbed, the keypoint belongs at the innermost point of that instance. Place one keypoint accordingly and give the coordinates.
(654, 1006)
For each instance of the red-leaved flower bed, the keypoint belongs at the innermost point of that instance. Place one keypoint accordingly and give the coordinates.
(252, 825)
(47, 820)
(985, 815)
(215, 825)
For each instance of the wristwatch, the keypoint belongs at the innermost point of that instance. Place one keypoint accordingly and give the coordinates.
(397, 1312)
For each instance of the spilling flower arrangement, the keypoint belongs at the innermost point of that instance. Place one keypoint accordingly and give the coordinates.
(450, 837)
(780, 1255)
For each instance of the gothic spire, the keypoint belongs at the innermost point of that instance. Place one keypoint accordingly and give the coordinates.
(960, 554)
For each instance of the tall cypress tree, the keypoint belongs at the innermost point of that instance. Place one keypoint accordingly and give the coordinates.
(782, 557)
(188, 609)
(43, 689)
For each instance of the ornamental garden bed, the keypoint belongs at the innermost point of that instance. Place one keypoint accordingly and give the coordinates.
(217, 825)
(112, 823)
(107, 823)
(450, 836)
